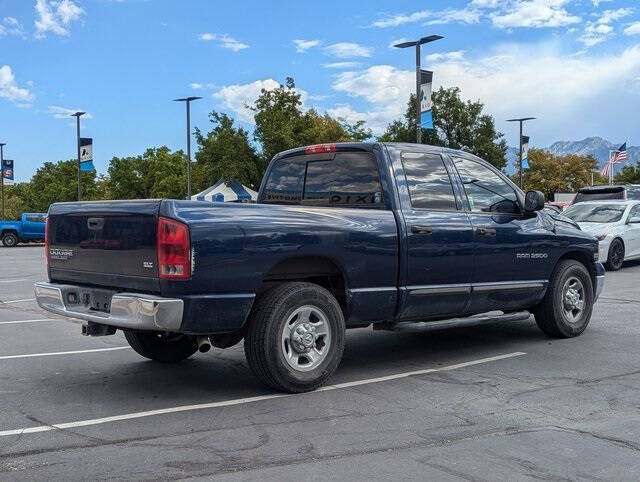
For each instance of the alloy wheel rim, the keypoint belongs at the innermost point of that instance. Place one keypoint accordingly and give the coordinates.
(573, 299)
(306, 338)
(616, 255)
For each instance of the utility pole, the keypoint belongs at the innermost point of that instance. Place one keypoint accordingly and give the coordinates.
(417, 44)
(520, 120)
(187, 100)
(77, 115)
(2, 144)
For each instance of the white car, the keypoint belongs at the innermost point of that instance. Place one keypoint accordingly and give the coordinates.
(615, 224)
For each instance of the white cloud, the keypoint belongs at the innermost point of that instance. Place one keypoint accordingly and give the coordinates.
(195, 85)
(11, 26)
(600, 30)
(345, 50)
(452, 55)
(303, 45)
(65, 112)
(401, 18)
(532, 13)
(342, 65)
(449, 15)
(596, 3)
(397, 41)
(9, 88)
(465, 16)
(633, 29)
(56, 16)
(238, 97)
(224, 41)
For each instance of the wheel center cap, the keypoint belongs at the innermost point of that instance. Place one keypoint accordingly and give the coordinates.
(572, 298)
(303, 337)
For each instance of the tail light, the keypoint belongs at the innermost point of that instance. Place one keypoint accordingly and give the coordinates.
(174, 249)
(47, 254)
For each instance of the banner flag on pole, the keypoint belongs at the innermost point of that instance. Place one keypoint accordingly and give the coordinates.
(86, 154)
(426, 80)
(525, 152)
(7, 170)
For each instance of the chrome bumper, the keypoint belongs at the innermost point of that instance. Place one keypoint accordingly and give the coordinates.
(128, 310)
(599, 286)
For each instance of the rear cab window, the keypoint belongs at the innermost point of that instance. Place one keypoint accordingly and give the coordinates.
(346, 179)
(428, 182)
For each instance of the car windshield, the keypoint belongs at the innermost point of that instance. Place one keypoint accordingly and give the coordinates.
(595, 213)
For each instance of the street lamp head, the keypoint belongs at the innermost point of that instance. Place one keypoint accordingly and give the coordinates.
(423, 40)
(187, 99)
(2, 144)
(77, 114)
(521, 119)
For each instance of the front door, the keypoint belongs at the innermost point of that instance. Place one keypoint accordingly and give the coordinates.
(632, 241)
(439, 241)
(512, 249)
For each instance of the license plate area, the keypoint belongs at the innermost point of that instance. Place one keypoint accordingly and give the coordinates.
(90, 299)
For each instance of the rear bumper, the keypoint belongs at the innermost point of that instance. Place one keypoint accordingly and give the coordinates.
(128, 310)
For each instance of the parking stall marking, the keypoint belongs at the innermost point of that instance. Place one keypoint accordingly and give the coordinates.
(242, 401)
(56, 353)
(6, 302)
(16, 322)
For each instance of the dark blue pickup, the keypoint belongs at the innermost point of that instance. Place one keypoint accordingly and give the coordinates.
(343, 235)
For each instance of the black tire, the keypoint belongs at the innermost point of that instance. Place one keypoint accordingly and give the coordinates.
(266, 350)
(10, 240)
(615, 257)
(161, 347)
(554, 316)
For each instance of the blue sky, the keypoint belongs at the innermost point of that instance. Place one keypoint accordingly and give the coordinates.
(574, 64)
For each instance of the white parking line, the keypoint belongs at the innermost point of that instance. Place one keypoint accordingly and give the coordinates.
(55, 353)
(241, 401)
(17, 280)
(17, 301)
(16, 322)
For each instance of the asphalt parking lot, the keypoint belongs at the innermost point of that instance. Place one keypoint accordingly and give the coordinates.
(498, 401)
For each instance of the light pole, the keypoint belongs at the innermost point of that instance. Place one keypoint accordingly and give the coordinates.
(2, 144)
(77, 115)
(520, 120)
(187, 100)
(417, 45)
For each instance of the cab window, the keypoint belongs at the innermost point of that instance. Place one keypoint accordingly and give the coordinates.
(486, 191)
(428, 182)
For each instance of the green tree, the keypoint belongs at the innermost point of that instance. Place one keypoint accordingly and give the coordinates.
(158, 173)
(457, 124)
(550, 173)
(226, 153)
(629, 174)
(281, 123)
(55, 182)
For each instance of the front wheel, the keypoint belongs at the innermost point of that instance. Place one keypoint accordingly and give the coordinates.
(566, 308)
(167, 348)
(10, 240)
(295, 337)
(615, 257)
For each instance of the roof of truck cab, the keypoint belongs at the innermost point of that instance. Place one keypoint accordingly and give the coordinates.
(369, 146)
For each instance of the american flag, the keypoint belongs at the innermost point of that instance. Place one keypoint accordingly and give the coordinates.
(620, 154)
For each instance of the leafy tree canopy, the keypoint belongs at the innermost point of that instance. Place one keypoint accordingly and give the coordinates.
(457, 124)
(630, 174)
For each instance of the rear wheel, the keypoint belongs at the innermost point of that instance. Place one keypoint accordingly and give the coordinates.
(10, 240)
(295, 337)
(167, 348)
(616, 255)
(566, 308)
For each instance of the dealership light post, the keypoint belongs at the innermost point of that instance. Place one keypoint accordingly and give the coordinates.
(520, 120)
(77, 115)
(2, 144)
(187, 100)
(417, 45)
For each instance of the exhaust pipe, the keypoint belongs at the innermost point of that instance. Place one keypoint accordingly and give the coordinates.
(204, 345)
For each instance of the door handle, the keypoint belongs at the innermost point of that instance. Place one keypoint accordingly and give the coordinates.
(420, 229)
(484, 231)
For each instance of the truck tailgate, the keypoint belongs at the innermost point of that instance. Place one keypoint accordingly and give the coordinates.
(110, 243)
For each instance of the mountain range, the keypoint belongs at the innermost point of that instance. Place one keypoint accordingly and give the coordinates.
(595, 146)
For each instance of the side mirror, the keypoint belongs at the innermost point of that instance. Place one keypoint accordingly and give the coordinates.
(533, 201)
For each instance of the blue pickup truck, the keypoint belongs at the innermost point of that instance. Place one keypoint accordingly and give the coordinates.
(30, 228)
(343, 236)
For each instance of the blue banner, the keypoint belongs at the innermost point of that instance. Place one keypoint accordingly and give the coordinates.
(525, 152)
(86, 154)
(426, 80)
(7, 169)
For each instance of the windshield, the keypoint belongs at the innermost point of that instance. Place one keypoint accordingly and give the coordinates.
(595, 213)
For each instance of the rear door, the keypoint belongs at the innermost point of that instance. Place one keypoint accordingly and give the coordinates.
(439, 240)
(632, 240)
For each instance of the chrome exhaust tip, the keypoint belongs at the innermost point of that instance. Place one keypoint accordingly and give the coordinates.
(204, 345)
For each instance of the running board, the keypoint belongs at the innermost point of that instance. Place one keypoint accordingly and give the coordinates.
(491, 317)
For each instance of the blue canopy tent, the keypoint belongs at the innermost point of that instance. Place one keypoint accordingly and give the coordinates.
(231, 191)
